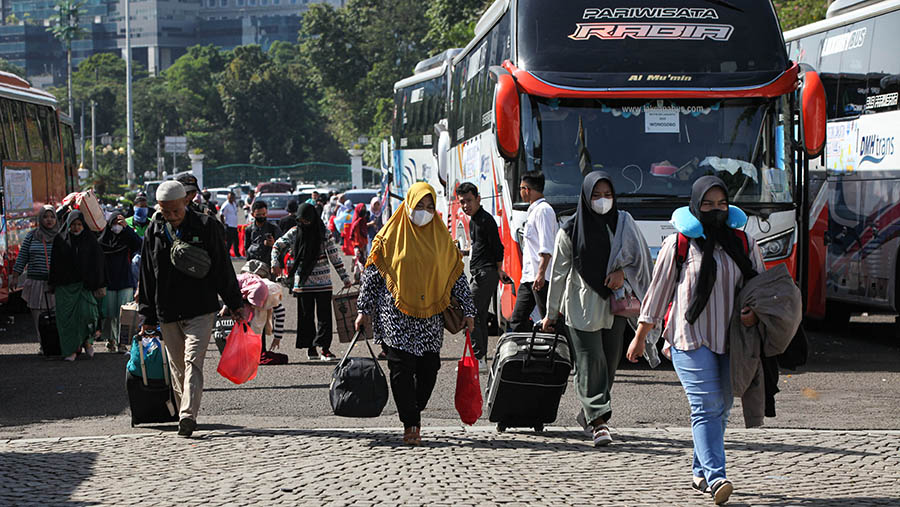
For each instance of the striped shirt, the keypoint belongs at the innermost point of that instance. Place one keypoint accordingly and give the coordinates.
(31, 255)
(320, 278)
(710, 328)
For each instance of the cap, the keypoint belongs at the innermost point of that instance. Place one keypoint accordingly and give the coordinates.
(170, 191)
(189, 181)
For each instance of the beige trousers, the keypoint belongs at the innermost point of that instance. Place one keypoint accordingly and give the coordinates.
(186, 342)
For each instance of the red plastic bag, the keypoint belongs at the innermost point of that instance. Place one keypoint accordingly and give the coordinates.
(240, 359)
(468, 387)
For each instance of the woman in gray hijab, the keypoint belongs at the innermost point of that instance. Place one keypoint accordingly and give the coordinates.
(599, 253)
(34, 259)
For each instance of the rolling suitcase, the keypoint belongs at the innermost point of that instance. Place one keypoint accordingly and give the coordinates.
(527, 380)
(151, 400)
(49, 334)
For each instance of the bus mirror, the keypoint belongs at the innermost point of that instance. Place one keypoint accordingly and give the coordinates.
(506, 113)
(813, 112)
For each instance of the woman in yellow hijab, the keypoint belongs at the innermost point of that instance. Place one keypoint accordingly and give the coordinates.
(413, 270)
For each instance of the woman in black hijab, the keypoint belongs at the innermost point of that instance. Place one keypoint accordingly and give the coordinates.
(78, 279)
(310, 248)
(592, 256)
(701, 291)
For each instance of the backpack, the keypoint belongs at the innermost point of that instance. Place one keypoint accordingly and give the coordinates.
(681, 251)
(187, 258)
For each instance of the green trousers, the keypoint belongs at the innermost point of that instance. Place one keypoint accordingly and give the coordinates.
(597, 355)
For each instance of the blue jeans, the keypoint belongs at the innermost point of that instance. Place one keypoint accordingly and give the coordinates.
(706, 378)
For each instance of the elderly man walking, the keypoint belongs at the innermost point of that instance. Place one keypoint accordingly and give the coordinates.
(180, 292)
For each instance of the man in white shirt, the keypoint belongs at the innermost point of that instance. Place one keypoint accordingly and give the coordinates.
(537, 249)
(230, 217)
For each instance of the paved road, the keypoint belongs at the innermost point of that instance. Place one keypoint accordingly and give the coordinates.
(852, 381)
(454, 467)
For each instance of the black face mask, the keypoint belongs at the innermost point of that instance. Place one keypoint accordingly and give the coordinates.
(260, 220)
(714, 219)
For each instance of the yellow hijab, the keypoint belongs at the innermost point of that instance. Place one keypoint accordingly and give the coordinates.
(419, 264)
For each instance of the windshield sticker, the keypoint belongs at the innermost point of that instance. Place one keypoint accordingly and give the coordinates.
(650, 13)
(844, 42)
(661, 121)
(417, 95)
(731, 166)
(652, 31)
(629, 111)
(879, 101)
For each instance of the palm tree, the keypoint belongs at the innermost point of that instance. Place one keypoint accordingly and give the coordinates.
(65, 28)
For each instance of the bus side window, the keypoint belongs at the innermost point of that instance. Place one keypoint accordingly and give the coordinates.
(50, 130)
(830, 67)
(884, 66)
(33, 131)
(18, 126)
(854, 65)
(4, 136)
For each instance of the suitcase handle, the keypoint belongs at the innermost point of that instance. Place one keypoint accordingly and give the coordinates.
(531, 346)
(356, 336)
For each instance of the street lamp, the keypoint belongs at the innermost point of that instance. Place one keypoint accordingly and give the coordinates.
(82, 172)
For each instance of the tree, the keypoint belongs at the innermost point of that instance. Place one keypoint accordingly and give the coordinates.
(452, 22)
(796, 13)
(7, 66)
(65, 28)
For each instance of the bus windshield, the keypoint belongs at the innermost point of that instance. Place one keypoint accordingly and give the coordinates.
(657, 149)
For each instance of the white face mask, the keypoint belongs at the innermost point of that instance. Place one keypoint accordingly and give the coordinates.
(116, 229)
(421, 217)
(602, 205)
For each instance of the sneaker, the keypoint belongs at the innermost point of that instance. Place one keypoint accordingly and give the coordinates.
(721, 490)
(327, 355)
(482, 365)
(312, 354)
(186, 427)
(700, 486)
(584, 425)
(601, 436)
(70, 357)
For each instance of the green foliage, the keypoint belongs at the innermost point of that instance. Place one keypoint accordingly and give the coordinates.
(64, 24)
(796, 13)
(7, 66)
(452, 22)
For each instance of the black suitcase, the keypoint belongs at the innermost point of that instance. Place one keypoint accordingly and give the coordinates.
(527, 380)
(49, 334)
(151, 400)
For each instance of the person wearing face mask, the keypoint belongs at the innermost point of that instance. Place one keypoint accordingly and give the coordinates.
(311, 250)
(260, 235)
(78, 279)
(702, 293)
(597, 251)
(141, 217)
(34, 260)
(411, 274)
(119, 243)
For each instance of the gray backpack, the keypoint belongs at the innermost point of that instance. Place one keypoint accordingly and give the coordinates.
(187, 258)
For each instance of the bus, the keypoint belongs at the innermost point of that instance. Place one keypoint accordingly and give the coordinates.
(855, 193)
(37, 164)
(420, 105)
(660, 96)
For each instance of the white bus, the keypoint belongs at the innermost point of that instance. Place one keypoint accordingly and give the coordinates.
(419, 105)
(664, 95)
(856, 193)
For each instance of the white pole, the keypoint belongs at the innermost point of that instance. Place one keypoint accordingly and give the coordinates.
(129, 112)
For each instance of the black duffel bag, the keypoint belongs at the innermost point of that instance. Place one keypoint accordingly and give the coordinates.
(358, 385)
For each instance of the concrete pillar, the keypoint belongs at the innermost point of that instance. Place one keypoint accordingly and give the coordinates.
(153, 60)
(197, 167)
(356, 178)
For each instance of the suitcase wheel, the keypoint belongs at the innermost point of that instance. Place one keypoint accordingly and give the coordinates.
(501, 427)
(539, 428)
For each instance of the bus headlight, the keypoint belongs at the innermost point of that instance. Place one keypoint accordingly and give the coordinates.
(778, 246)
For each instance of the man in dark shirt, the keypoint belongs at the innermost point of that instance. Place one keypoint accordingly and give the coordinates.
(260, 235)
(182, 306)
(484, 264)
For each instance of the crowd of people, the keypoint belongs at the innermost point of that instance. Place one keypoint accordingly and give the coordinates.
(574, 275)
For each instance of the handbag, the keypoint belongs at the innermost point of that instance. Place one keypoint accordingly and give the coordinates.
(468, 388)
(188, 259)
(454, 318)
(358, 385)
(628, 307)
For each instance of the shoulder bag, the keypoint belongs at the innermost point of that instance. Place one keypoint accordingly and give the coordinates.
(191, 260)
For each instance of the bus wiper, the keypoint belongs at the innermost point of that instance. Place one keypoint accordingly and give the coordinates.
(646, 195)
(725, 3)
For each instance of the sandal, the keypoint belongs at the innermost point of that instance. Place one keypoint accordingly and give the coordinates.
(411, 436)
(721, 491)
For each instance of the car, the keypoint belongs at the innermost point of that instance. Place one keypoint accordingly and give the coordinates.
(218, 196)
(276, 204)
(274, 187)
(363, 195)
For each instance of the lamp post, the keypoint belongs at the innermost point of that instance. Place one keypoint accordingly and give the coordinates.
(129, 145)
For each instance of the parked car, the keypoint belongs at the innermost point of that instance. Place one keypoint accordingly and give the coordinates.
(276, 203)
(218, 197)
(274, 187)
(364, 195)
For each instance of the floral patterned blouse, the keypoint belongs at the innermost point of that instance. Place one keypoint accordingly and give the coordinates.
(399, 330)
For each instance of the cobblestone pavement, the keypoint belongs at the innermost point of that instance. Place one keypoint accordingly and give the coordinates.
(455, 466)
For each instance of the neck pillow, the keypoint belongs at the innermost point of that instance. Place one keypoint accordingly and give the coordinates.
(686, 223)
